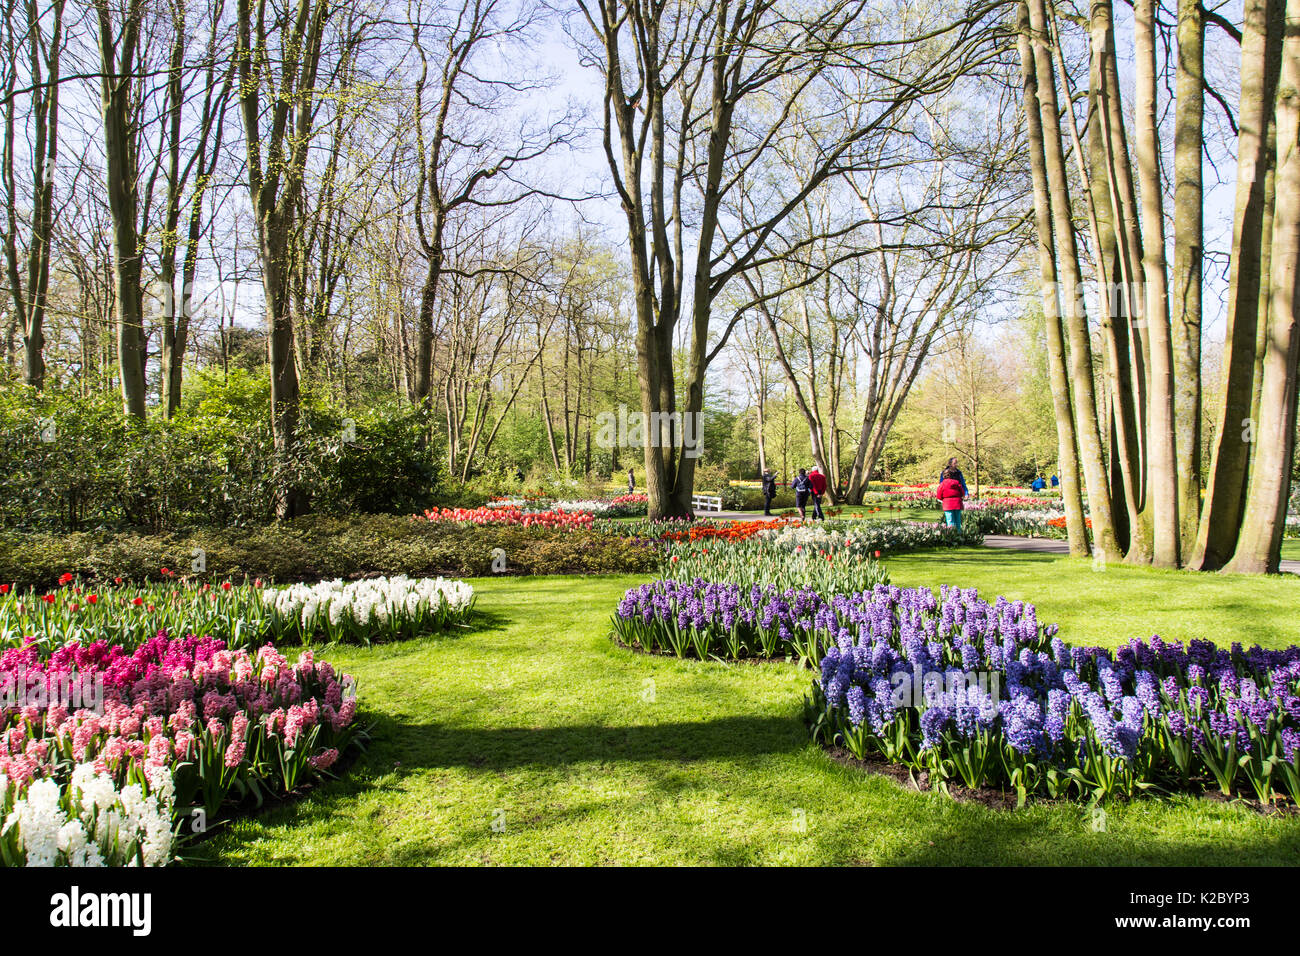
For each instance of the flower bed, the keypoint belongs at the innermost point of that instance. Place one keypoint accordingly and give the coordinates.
(510, 515)
(886, 537)
(643, 529)
(829, 568)
(723, 530)
(244, 615)
(89, 822)
(629, 505)
(231, 727)
(707, 620)
(981, 694)
(392, 609)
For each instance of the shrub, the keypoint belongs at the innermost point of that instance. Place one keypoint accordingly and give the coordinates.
(69, 464)
(316, 548)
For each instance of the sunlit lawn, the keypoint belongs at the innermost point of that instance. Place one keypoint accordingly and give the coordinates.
(584, 753)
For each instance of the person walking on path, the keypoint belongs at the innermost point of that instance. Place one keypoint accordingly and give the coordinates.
(818, 481)
(631, 482)
(769, 490)
(802, 486)
(950, 494)
(1039, 484)
(952, 466)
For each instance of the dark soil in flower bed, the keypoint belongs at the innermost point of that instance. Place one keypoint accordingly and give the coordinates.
(1002, 800)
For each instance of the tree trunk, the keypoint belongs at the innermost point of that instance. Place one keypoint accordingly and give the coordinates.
(1083, 393)
(1067, 446)
(1226, 488)
(1162, 467)
(1131, 339)
(1124, 444)
(117, 102)
(1189, 139)
(1260, 542)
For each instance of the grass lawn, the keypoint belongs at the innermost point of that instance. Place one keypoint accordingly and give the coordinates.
(588, 754)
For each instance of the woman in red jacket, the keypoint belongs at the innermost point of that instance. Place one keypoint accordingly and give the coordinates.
(949, 495)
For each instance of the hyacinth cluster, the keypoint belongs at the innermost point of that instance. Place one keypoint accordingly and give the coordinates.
(983, 694)
(733, 621)
(229, 725)
(395, 608)
(89, 822)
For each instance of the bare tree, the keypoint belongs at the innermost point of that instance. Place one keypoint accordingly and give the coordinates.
(38, 40)
(696, 93)
(278, 101)
(470, 159)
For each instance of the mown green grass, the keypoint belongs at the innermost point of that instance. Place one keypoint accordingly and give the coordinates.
(589, 754)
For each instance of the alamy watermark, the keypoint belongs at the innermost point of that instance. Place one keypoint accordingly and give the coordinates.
(35, 688)
(921, 688)
(634, 429)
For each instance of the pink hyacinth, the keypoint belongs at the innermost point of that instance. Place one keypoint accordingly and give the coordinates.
(325, 759)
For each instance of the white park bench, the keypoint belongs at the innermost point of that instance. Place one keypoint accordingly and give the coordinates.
(706, 503)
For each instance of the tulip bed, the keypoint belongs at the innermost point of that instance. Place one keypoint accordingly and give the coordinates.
(1055, 720)
(230, 727)
(511, 514)
(886, 537)
(840, 566)
(243, 615)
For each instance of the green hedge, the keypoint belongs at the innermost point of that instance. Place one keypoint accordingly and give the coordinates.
(77, 464)
(309, 549)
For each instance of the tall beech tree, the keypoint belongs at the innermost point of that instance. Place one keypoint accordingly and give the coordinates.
(1260, 539)
(1248, 284)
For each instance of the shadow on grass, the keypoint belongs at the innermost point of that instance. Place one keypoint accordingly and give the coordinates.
(504, 748)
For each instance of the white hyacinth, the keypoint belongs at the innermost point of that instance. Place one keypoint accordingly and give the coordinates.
(89, 823)
(359, 604)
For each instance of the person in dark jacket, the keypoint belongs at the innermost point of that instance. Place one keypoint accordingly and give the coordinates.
(631, 482)
(802, 489)
(818, 489)
(769, 490)
(1039, 484)
(952, 465)
(950, 494)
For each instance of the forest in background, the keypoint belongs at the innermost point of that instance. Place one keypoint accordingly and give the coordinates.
(294, 256)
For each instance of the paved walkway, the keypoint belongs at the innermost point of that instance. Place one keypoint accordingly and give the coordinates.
(1005, 541)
